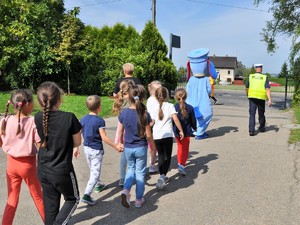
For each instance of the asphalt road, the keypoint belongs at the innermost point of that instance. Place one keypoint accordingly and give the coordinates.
(233, 179)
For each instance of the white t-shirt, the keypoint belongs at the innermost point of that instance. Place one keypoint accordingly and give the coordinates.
(151, 104)
(163, 128)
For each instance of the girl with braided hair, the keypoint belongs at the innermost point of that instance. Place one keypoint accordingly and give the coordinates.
(20, 141)
(120, 103)
(163, 133)
(60, 132)
(136, 121)
(186, 116)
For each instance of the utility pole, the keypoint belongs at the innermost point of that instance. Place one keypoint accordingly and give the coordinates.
(154, 12)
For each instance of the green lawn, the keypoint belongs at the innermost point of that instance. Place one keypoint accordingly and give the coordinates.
(72, 103)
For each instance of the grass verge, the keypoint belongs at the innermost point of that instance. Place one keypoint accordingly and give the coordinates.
(295, 133)
(71, 103)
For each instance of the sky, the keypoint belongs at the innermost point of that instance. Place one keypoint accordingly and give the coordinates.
(230, 27)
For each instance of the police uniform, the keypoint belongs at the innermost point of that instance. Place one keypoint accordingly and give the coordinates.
(257, 87)
(199, 89)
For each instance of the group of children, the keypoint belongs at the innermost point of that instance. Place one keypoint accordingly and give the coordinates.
(55, 136)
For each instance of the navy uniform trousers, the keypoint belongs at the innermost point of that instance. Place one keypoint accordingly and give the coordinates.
(258, 104)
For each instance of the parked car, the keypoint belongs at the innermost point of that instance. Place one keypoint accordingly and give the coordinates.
(274, 84)
(224, 83)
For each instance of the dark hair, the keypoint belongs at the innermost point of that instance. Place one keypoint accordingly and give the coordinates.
(137, 94)
(17, 100)
(48, 95)
(162, 95)
(125, 86)
(180, 96)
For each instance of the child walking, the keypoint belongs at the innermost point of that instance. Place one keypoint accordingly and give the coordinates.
(151, 102)
(60, 133)
(121, 102)
(19, 140)
(163, 133)
(212, 94)
(93, 131)
(136, 122)
(186, 116)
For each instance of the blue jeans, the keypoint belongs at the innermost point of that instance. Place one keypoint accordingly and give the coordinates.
(136, 169)
(123, 165)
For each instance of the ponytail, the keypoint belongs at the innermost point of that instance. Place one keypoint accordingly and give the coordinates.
(3, 125)
(162, 96)
(49, 94)
(180, 96)
(20, 105)
(137, 94)
(45, 122)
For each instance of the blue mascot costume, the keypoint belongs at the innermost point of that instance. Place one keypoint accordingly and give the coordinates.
(199, 89)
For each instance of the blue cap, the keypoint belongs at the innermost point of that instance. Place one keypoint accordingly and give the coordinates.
(198, 61)
(198, 55)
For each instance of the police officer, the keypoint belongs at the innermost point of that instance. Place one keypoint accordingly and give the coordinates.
(258, 91)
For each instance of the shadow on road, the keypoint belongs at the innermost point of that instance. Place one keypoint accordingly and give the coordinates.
(112, 211)
(221, 131)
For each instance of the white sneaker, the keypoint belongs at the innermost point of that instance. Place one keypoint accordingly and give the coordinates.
(160, 183)
(152, 169)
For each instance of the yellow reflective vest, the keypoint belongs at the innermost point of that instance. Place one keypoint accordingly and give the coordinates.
(257, 88)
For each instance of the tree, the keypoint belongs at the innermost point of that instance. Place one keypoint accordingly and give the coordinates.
(107, 50)
(285, 22)
(26, 31)
(295, 72)
(242, 70)
(284, 71)
(157, 66)
(70, 41)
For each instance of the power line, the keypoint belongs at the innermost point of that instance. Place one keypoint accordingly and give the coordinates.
(99, 3)
(229, 6)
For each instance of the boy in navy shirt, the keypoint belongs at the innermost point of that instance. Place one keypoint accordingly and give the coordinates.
(93, 130)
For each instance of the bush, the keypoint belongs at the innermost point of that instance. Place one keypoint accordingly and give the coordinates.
(296, 99)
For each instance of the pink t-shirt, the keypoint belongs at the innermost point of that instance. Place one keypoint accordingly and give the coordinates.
(22, 144)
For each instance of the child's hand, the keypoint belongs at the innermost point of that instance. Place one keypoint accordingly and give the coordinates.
(76, 152)
(120, 147)
(152, 123)
(181, 135)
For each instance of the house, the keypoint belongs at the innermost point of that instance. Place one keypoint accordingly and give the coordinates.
(226, 66)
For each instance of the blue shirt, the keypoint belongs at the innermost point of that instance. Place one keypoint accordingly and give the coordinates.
(187, 124)
(129, 119)
(90, 131)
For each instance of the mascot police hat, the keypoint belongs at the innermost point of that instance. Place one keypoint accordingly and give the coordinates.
(198, 61)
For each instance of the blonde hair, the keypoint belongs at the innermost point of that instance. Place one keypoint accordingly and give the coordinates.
(162, 95)
(153, 86)
(128, 68)
(121, 100)
(180, 97)
(93, 102)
